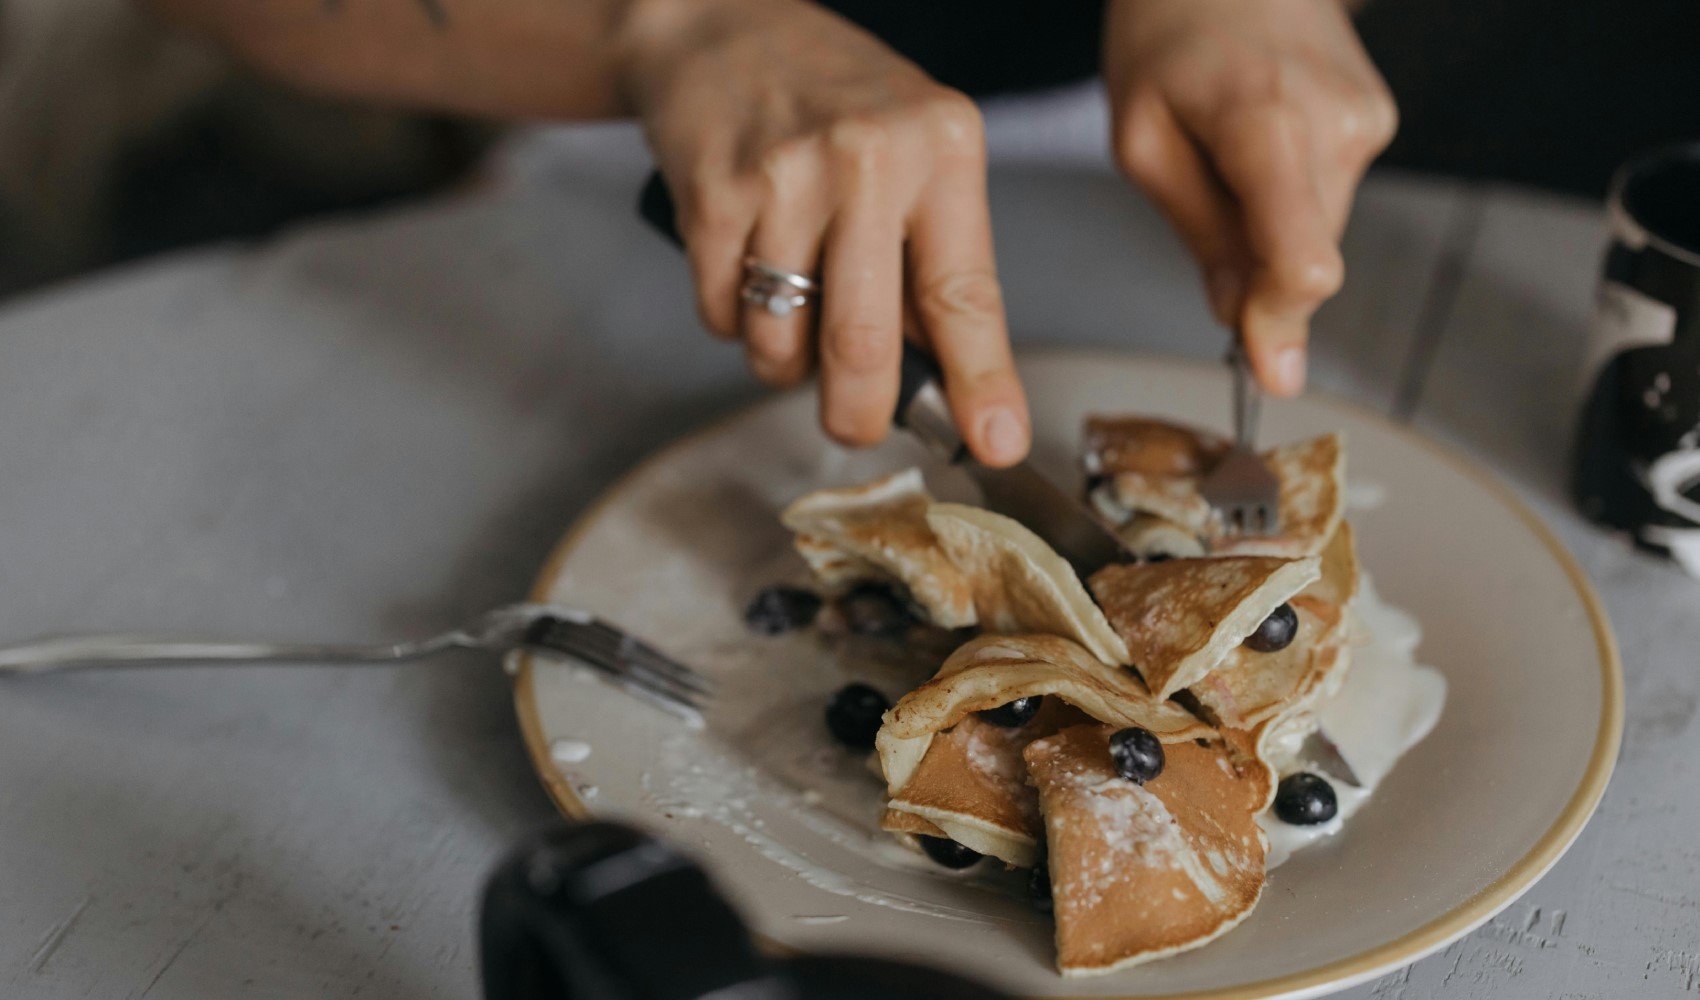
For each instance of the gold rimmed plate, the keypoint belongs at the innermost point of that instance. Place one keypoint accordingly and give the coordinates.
(787, 822)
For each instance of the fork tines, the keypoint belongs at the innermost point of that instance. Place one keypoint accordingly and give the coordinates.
(1241, 490)
(628, 660)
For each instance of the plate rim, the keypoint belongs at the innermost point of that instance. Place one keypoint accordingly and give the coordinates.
(1342, 973)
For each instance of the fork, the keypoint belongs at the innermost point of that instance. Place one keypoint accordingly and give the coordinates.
(623, 659)
(1241, 491)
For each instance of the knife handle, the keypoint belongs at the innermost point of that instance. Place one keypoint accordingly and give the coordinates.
(921, 406)
(655, 205)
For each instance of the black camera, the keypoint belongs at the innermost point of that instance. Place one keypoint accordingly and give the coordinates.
(601, 911)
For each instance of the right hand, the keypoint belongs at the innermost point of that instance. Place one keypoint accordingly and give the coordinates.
(790, 135)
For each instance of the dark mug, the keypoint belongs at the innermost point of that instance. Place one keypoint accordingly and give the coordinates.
(1637, 456)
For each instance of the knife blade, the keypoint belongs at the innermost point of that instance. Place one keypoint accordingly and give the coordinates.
(1321, 751)
(1021, 492)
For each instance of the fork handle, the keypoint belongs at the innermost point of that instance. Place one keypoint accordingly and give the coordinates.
(1248, 398)
(84, 651)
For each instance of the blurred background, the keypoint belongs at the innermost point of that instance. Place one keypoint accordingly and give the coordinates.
(120, 137)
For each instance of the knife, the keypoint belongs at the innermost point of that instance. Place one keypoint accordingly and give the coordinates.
(1020, 491)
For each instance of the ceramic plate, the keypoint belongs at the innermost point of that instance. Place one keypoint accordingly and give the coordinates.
(1471, 817)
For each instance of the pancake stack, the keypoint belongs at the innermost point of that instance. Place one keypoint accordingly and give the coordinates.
(1138, 869)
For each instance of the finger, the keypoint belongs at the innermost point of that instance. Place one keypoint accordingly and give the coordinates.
(956, 295)
(777, 343)
(715, 224)
(1350, 130)
(1153, 149)
(1264, 156)
(861, 326)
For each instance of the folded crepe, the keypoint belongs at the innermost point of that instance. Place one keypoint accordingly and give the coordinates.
(1149, 447)
(1180, 619)
(909, 825)
(1151, 537)
(879, 531)
(1250, 687)
(1312, 500)
(1019, 583)
(945, 765)
(962, 565)
(1140, 872)
(1156, 468)
(971, 786)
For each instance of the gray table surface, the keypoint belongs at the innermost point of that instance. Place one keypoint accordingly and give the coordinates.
(380, 424)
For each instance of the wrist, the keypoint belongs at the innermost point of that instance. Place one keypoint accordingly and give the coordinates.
(648, 38)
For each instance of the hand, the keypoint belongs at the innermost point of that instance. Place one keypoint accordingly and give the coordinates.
(1250, 123)
(790, 135)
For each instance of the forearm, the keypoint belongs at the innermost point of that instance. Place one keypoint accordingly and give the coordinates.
(496, 58)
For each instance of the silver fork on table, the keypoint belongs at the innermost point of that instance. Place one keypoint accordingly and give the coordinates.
(1241, 490)
(623, 659)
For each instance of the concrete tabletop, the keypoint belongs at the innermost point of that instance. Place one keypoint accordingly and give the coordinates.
(379, 425)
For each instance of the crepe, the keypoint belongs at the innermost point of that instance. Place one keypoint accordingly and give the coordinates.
(1149, 447)
(1181, 618)
(1149, 536)
(1019, 583)
(1312, 503)
(1250, 687)
(1156, 468)
(947, 766)
(971, 785)
(1140, 872)
(880, 531)
(994, 670)
(909, 825)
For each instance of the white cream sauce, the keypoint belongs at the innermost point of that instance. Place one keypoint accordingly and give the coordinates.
(1386, 703)
(795, 777)
(569, 751)
(697, 782)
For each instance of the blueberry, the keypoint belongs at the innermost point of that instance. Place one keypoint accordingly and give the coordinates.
(1039, 887)
(1305, 799)
(873, 609)
(854, 714)
(1276, 632)
(948, 852)
(1138, 755)
(1015, 714)
(780, 608)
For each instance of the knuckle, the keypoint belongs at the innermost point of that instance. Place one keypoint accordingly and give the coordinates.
(962, 295)
(852, 426)
(718, 324)
(717, 319)
(1139, 142)
(1379, 115)
(775, 370)
(786, 164)
(858, 348)
(1261, 83)
(860, 144)
(1314, 276)
(709, 215)
(956, 123)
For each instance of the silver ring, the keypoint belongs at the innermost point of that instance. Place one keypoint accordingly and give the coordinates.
(775, 289)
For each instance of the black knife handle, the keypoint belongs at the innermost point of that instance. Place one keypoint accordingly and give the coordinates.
(919, 370)
(656, 206)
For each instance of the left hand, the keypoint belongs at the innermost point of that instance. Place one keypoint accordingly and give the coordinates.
(1250, 124)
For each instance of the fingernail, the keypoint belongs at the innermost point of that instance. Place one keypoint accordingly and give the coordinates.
(1289, 370)
(1003, 436)
(1223, 287)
